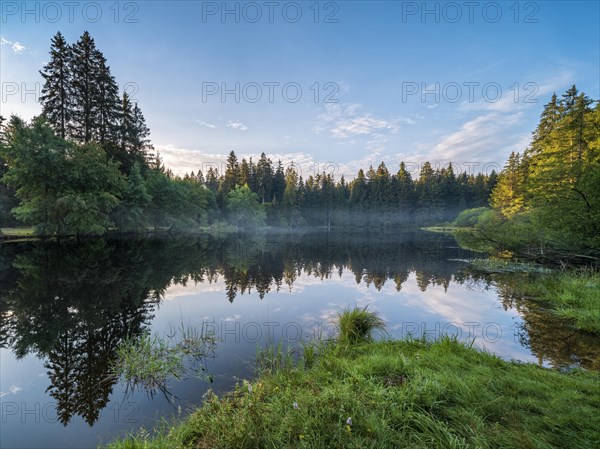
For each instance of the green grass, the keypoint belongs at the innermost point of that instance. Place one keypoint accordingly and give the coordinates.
(16, 232)
(357, 325)
(150, 360)
(574, 295)
(403, 394)
(506, 266)
(442, 229)
(391, 394)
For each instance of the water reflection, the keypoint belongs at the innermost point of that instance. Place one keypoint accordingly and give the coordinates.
(72, 304)
(547, 336)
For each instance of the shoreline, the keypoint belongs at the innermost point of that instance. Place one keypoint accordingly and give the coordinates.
(406, 393)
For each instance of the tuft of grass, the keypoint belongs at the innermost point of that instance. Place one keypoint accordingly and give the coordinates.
(358, 325)
(400, 394)
(149, 360)
(274, 358)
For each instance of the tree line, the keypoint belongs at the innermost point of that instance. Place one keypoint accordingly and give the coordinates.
(547, 200)
(86, 165)
(378, 197)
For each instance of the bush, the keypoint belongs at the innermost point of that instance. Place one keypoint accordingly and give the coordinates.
(469, 218)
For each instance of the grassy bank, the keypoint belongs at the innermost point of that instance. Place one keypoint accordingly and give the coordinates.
(571, 294)
(574, 295)
(393, 394)
(16, 233)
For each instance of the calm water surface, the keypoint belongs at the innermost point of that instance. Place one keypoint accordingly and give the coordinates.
(66, 306)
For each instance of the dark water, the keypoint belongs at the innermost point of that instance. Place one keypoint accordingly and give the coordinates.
(66, 306)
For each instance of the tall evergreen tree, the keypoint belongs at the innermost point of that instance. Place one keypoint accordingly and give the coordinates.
(264, 178)
(232, 173)
(85, 93)
(508, 195)
(404, 191)
(141, 147)
(290, 198)
(108, 107)
(56, 98)
(279, 183)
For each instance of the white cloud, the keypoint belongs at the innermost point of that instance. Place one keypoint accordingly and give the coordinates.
(345, 121)
(522, 95)
(17, 47)
(237, 125)
(477, 137)
(208, 125)
(13, 389)
(181, 160)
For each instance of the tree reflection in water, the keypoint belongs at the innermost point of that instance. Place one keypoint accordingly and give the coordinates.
(72, 304)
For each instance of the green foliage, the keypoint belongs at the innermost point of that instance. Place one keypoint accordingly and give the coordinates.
(130, 214)
(574, 296)
(63, 188)
(244, 209)
(402, 394)
(469, 217)
(556, 182)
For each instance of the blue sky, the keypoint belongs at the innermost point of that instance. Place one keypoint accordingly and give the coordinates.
(362, 69)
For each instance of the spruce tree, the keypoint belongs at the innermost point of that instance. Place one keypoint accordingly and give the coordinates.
(141, 147)
(85, 89)
(56, 98)
(232, 173)
(107, 119)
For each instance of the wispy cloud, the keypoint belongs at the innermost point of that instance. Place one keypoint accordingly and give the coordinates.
(237, 125)
(13, 389)
(523, 95)
(346, 121)
(479, 138)
(17, 47)
(208, 125)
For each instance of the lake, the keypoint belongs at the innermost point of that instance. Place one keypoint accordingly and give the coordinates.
(65, 307)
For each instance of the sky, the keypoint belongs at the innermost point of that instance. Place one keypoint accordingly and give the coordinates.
(327, 86)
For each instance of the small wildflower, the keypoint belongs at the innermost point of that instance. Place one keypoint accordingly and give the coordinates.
(349, 421)
(301, 437)
(295, 406)
(249, 388)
